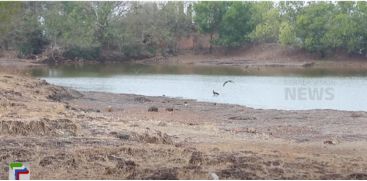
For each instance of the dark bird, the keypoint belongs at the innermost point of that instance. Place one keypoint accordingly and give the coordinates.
(215, 93)
(228, 81)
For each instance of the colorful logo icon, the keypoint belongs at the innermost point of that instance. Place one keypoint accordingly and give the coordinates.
(19, 171)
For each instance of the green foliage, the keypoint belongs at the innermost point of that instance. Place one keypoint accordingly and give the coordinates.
(82, 53)
(235, 25)
(208, 15)
(326, 27)
(69, 24)
(310, 26)
(151, 28)
(289, 10)
(267, 20)
(33, 43)
(27, 35)
(287, 34)
(8, 14)
(145, 29)
(230, 20)
(359, 43)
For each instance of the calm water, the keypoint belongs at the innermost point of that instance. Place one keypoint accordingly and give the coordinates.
(271, 88)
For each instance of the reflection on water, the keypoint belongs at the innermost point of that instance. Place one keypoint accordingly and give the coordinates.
(137, 69)
(270, 88)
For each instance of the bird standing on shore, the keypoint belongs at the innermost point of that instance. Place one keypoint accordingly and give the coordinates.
(228, 81)
(215, 93)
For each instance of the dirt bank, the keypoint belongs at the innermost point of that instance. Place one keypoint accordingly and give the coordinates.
(251, 57)
(262, 56)
(91, 135)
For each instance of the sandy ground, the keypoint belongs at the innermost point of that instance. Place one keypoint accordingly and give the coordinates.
(91, 135)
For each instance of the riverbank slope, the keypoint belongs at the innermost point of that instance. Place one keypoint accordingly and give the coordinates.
(262, 56)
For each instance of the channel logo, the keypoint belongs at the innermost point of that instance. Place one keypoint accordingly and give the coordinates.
(19, 171)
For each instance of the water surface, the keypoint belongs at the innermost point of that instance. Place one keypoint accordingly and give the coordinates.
(266, 88)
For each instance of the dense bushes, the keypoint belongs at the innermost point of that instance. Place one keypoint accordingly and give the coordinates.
(319, 27)
(77, 53)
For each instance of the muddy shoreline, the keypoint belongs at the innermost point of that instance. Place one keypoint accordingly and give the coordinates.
(294, 126)
(95, 135)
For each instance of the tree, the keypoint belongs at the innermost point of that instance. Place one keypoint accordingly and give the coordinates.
(360, 16)
(69, 24)
(310, 26)
(235, 25)
(208, 17)
(230, 20)
(71, 29)
(9, 16)
(145, 29)
(27, 36)
(287, 35)
(290, 10)
(267, 20)
(152, 28)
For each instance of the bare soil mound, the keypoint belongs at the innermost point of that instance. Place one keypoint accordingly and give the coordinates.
(29, 107)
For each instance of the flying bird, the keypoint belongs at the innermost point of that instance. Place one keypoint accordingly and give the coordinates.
(228, 81)
(215, 93)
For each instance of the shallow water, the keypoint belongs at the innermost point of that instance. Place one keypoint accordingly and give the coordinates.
(270, 88)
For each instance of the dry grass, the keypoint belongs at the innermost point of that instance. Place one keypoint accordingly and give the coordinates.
(74, 143)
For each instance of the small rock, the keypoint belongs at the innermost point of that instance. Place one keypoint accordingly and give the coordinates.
(330, 142)
(153, 109)
(169, 109)
(308, 64)
(43, 82)
(47, 161)
(185, 103)
(109, 109)
(355, 115)
(213, 176)
(196, 158)
(251, 130)
(162, 124)
(123, 136)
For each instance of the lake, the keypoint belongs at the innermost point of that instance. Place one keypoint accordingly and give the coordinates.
(265, 88)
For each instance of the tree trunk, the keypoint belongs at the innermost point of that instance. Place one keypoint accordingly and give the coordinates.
(210, 43)
(6, 45)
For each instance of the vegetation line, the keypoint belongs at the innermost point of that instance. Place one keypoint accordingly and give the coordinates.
(126, 30)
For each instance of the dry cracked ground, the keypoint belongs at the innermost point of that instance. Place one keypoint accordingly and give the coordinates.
(92, 135)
